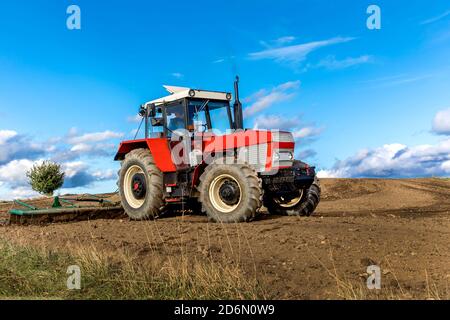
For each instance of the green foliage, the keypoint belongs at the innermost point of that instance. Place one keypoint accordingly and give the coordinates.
(45, 178)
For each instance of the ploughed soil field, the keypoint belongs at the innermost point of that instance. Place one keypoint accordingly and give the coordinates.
(403, 226)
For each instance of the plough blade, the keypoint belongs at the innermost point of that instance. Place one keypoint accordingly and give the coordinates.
(46, 216)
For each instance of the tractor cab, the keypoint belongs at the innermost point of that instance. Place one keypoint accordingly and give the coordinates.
(189, 110)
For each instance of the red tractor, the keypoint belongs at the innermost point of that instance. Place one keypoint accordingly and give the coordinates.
(197, 153)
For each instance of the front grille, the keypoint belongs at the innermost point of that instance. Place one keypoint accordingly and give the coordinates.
(255, 156)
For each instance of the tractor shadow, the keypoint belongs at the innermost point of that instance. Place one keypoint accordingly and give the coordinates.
(267, 216)
(196, 216)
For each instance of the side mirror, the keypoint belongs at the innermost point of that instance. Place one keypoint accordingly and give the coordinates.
(152, 110)
(142, 111)
(157, 122)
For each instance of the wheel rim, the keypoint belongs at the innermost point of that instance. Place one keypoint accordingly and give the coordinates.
(135, 187)
(289, 203)
(225, 193)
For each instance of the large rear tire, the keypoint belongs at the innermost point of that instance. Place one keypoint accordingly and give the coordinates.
(140, 185)
(230, 192)
(302, 204)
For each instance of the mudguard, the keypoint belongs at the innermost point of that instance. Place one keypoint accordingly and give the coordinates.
(159, 148)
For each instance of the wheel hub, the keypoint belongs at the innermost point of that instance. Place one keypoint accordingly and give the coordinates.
(229, 192)
(138, 186)
(225, 193)
(289, 201)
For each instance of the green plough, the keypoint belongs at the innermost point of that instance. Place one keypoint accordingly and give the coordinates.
(64, 210)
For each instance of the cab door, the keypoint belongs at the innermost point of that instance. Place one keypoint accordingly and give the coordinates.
(178, 136)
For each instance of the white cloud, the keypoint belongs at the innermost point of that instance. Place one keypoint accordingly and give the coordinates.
(395, 160)
(224, 59)
(134, 119)
(307, 132)
(281, 41)
(408, 80)
(105, 175)
(276, 122)
(293, 124)
(20, 192)
(5, 135)
(441, 122)
(81, 147)
(93, 137)
(14, 173)
(446, 166)
(15, 146)
(79, 175)
(437, 18)
(93, 144)
(83, 150)
(284, 40)
(333, 64)
(23, 193)
(98, 149)
(326, 174)
(177, 75)
(295, 53)
(263, 99)
(72, 168)
(398, 80)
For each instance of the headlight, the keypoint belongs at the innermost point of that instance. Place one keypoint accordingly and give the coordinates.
(283, 156)
(191, 93)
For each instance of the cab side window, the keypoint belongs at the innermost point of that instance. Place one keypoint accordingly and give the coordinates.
(197, 116)
(175, 118)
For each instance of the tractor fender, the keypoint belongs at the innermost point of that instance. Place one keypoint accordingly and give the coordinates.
(159, 148)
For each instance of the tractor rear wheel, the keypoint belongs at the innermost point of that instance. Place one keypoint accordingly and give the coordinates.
(140, 185)
(303, 203)
(230, 192)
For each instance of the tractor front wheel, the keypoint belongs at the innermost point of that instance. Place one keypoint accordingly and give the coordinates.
(140, 185)
(302, 203)
(230, 192)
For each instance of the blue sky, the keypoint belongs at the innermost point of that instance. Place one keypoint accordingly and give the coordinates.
(361, 102)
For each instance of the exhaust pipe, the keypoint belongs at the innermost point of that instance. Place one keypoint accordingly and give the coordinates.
(238, 116)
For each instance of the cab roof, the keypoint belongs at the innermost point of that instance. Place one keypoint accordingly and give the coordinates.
(177, 93)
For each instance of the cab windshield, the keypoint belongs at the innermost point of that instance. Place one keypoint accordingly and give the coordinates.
(206, 116)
